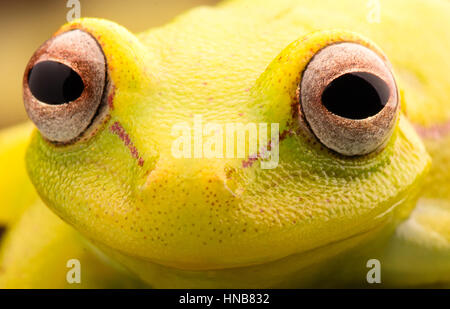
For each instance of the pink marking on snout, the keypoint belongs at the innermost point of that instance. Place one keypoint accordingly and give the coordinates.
(117, 129)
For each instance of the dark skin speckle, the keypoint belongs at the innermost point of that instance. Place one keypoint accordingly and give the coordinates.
(111, 98)
(2, 231)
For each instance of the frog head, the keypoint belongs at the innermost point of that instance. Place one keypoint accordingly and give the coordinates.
(126, 147)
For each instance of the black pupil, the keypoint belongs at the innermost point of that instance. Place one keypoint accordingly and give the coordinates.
(356, 95)
(52, 82)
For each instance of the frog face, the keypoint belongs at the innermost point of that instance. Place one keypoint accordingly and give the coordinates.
(103, 157)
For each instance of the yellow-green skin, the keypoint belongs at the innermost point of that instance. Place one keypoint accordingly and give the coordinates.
(314, 221)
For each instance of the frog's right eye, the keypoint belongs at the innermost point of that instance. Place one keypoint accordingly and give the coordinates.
(63, 85)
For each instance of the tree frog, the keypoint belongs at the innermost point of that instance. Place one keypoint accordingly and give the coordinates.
(363, 142)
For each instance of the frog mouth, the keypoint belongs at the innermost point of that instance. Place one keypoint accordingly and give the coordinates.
(300, 269)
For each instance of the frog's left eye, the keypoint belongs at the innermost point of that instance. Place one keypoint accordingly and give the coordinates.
(63, 85)
(348, 96)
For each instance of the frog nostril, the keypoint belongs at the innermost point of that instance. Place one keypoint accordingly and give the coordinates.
(54, 83)
(357, 95)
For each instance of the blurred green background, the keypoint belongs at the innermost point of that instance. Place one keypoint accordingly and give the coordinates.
(26, 24)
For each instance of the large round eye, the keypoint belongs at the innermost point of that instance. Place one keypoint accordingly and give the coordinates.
(349, 98)
(63, 85)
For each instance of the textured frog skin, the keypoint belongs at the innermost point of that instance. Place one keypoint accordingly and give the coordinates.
(225, 222)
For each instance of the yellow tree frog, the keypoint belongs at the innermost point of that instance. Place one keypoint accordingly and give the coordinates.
(361, 180)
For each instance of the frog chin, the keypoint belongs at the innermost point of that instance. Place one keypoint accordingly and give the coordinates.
(297, 270)
(316, 267)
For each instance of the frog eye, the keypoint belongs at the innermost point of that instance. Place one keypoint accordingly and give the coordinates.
(63, 85)
(348, 96)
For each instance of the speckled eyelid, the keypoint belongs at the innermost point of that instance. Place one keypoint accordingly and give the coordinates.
(63, 85)
(349, 98)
